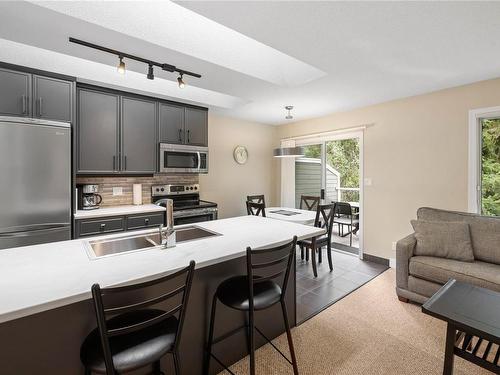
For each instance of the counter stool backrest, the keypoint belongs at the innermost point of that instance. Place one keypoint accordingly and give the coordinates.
(270, 263)
(102, 312)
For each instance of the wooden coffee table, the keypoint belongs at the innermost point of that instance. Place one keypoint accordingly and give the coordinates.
(473, 317)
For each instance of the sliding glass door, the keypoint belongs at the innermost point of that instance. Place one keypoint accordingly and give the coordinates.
(331, 169)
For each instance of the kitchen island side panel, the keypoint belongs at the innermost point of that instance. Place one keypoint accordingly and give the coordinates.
(49, 342)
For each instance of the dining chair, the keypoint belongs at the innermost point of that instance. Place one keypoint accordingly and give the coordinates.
(256, 209)
(344, 216)
(309, 202)
(257, 199)
(324, 219)
(133, 335)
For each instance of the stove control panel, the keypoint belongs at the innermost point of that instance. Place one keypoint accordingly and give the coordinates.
(158, 190)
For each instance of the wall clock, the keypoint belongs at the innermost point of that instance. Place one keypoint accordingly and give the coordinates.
(240, 154)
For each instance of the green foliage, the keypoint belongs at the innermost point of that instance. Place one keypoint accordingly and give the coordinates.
(342, 155)
(490, 160)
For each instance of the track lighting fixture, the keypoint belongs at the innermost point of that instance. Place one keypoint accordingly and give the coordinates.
(121, 66)
(289, 115)
(151, 64)
(181, 82)
(150, 72)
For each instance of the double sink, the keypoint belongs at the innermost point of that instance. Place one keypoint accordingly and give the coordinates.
(131, 243)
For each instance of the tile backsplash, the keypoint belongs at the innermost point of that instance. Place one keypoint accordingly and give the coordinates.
(106, 185)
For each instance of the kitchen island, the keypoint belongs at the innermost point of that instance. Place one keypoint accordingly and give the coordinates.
(46, 310)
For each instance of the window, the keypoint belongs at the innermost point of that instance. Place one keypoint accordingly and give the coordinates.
(489, 197)
(484, 161)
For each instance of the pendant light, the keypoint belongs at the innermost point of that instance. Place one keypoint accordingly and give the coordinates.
(289, 115)
(288, 152)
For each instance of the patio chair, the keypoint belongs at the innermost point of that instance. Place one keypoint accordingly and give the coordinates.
(344, 216)
(310, 202)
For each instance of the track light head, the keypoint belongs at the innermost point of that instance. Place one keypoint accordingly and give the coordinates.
(151, 74)
(181, 82)
(121, 66)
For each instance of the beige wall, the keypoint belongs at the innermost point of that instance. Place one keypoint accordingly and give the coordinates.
(227, 182)
(415, 154)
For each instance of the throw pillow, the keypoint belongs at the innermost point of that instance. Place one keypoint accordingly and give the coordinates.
(443, 239)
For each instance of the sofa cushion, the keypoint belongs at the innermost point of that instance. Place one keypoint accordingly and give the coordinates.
(484, 231)
(443, 239)
(440, 270)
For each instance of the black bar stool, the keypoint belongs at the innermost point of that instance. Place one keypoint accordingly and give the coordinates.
(136, 336)
(254, 292)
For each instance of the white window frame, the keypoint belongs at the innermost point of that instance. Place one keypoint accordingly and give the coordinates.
(474, 183)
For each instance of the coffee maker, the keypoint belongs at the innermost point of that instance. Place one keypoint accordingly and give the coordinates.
(88, 199)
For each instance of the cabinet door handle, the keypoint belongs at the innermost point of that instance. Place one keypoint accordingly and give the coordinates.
(180, 136)
(40, 107)
(103, 226)
(125, 162)
(189, 137)
(146, 221)
(114, 162)
(24, 104)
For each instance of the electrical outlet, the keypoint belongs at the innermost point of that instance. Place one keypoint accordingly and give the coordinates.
(394, 246)
(117, 190)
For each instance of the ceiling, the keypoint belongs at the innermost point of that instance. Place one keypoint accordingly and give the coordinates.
(257, 57)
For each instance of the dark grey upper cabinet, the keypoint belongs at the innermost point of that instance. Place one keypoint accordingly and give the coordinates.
(98, 132)
(171, 123)
(138, 135)
(52, 98)
(15, 88)
(196, 126)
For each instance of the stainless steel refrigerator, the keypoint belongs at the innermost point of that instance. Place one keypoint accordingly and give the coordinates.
(35, 181)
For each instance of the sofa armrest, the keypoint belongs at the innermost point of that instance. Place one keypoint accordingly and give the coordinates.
(404, 251)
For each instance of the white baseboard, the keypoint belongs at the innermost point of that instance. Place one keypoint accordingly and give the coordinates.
(392, 262)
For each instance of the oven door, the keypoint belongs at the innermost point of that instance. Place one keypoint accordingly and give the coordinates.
(183, 159)
(194, 216)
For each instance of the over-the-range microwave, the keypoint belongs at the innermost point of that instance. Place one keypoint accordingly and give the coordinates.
(183, 159)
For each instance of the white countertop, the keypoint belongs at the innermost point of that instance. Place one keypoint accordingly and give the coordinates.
(303, 216)
(43, 277)
(118, 210)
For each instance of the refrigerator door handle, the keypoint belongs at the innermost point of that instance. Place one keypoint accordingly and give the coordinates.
(34, 229)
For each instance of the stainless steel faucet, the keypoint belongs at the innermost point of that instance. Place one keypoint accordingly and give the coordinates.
(167, 236)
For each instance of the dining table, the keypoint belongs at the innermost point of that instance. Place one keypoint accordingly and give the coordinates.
(294, 215)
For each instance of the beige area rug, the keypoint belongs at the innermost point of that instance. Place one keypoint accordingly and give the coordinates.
(368, 332)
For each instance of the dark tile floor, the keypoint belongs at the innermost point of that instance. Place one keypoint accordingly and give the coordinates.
(349, 273)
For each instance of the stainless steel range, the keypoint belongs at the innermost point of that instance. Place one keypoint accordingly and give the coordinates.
(188, 208)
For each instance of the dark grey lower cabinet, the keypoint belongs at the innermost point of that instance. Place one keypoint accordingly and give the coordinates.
(98, 132)
(138, 135)
(15, 89)
(111, 224)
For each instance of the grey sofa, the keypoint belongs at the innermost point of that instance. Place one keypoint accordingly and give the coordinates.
(419, 277)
